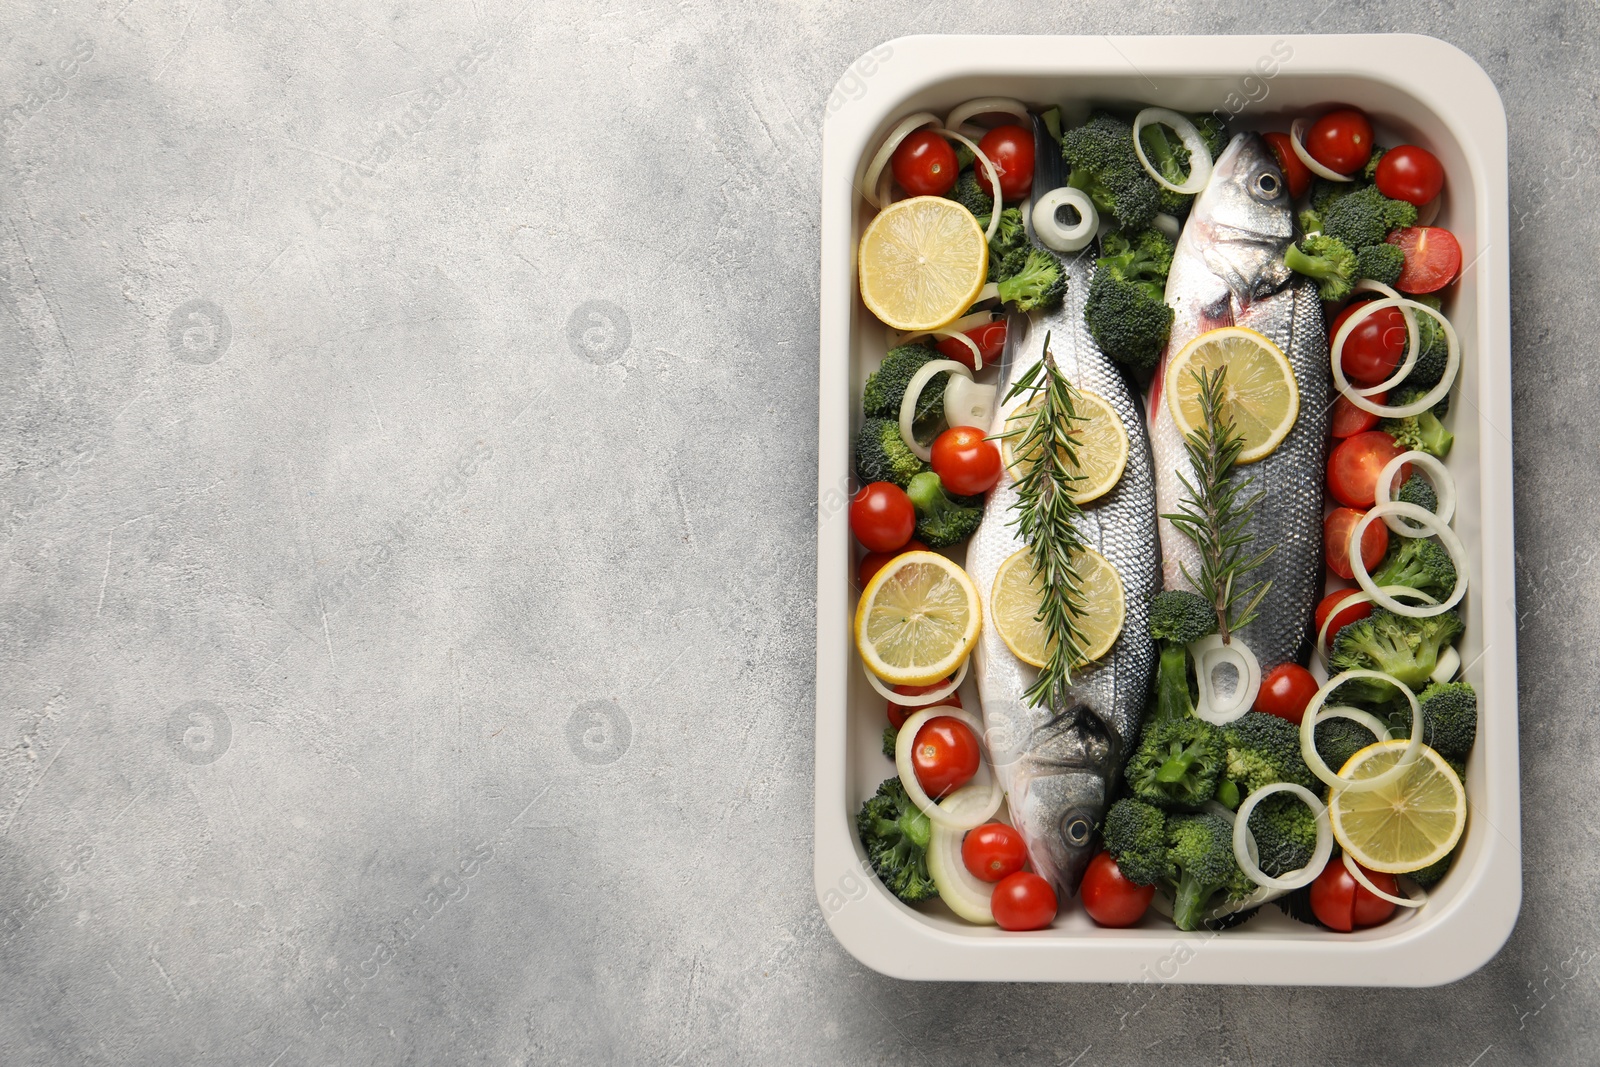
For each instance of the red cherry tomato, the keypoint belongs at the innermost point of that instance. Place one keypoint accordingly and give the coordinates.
(1286, 690)
(1341, 903)
(1410, 173)
(1349, 420)
(1295, 172)
(881, 517)
(993, 851)
(1341, 140)
(1010, 149)
(1376, 345)
(1336, 530)
(925, 164)
(1353, 613)
(965, 461)
(899, 713)
(1354, 466)
(990, 339)
(944, 755)
(1023, 901)
(873, 562)
(1108, 896)
(1433, 258)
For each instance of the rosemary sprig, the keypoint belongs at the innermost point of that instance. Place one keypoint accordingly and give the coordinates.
(1216, 512)
(1045, 513)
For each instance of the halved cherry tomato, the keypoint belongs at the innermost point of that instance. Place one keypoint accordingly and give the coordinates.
(1295, 172)
(966, 461)
(899, 713)
(1010, 149)
(990, 339)
(873, 562)
(881, 517)
(1353, 613)
(944, 755)
(1336, 531)
(1286, 690)
(1349, 420)
(1354, 466)
(1376, 345)
(1433, 258)
(1023, 901)
(993, 851)
(1341, 903)
(1341, 140)
(925, 164)
(1108, 896)
(1409, 173)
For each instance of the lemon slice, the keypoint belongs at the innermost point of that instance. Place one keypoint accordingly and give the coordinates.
(918, 619)
(1015, 605)
(1405, 826)
(1262, 399)
(922, 263)
(1102, 451)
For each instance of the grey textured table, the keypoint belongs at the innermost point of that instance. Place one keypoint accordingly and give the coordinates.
(408, 475)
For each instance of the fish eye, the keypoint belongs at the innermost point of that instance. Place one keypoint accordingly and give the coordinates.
(1267, 184)
(1077, 831)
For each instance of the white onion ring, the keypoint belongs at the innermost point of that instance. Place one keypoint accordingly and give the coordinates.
(1048, 228)
(1361, 596)
(1427, 400)
(1199, 153)
(908, 403)
(1308, 735)
(1444, 487)
(961, 325)
(1319, 856)
(1210, 653)
(907, 740)
(1447, 537)
(1297, 131)
(1359, 875)
(994, 180)
(1445, 669)
(986, 105)
(905, 128)
(1362, 312)
(969, 403)
(933, 696)
(1169, 226)
(962, 891)
(990, 291)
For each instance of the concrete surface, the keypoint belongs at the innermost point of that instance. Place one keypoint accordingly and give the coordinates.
(408, 462)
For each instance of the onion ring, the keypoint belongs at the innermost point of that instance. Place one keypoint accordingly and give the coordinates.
(1048, 227)
(933, 696)
(986, 105)
(1199, 154)
(1447, 537)
(1359, 875)
(907, 739)
(908, 403)
(1423, 403)
(1210, 653)
(1296, 132)
(1361, 596)
(903, 129)
(962, 891)
(1445, 669)
(1444, 487)
(1308, 735)
(1319, 855)
(1361, 313)
(993, 176)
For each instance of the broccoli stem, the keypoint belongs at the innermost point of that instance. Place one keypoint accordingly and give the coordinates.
(1228, 795)
(1189, 902)
(1177, 766)
(1172, 685)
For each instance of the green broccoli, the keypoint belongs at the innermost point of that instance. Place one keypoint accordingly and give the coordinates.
(886, 387)
(896, 835)
(1337, 739)
(1285, 833)
(1327, 261)
(1145, 255)
(1032, 278)
(1450, 716)
(1104, 165)
(890, 737)
(970, 195)
(1200, 849)
(1009, 236)
(1370, 171)
(1136, 837)
(1431, 875)
(1382, 263)
(1126, 311)
(1418, 562)
(1394, 644)
(1323, 195)
(1365, 217)
(882, 455)
(1181, 617)
(1171, 157)
(1419, 491)
(1261, 749)
(1422, 432)
(1433, 351)
(1177, 762)
(942, 520)
(1213, 131)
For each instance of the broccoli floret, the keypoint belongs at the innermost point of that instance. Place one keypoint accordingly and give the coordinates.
(890, 737)
(1105, 166)
(1200, 849)
(1213, 131)
(1263, 749)
(1136, 837)
(1382, 263)
(1418, 491)
(1327, 261)
(1450, 715)
(1365, 217)
(1420, 563)
(1422, 432)
(1370, 171)
(1285, 833)
(1144, 255)
(1126, 311)
(896, 835)
(970, 195)
(1337, 739)
(1177, 763)
(1395, 644)
(882, 455)
(1169, 156)
(1430, 875)
(1181, 617)
(886, 387)
(942, 520)
(1009, 236)
(1433, 351)
(1032, 278)
(1325, 192)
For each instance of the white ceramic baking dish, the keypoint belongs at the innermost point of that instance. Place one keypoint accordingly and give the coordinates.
(1417, 89)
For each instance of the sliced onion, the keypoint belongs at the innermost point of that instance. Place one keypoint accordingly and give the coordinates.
(905, 128)
(987, 105)
(1169, 226)
(1199, 153)
(1427, 400)
(990, 291)
(1296, 132)
(1362, 312)
(932, 696)
(1308, 735)
(1246, 857)
(1359, 875)
(1049, 228)
(961, 325)
(1210, 653)
(1445, 669)
(962, 891)
(994, 180)
(1444, 487)
(1361, 596)
(972, 813)
(1434, 525)
(908, 403)
(969, 403)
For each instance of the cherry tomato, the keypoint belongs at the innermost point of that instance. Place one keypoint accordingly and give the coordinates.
(990, 339)
(993, 851)
(1108, 896)
(1286, 690)
(1376, 345)
(1010, 149)
(1295, 172)
(881, 517)
(1410, 173)
(1354, 466)
(899, 713)
(1023, 901)
(925, 164)
(1341, 903)
(944, 755)
(873, 562)
(1349, 420)
(1433, 258)
(1341, 140)
(1353, 613)
(965, 461)
(1336, 530)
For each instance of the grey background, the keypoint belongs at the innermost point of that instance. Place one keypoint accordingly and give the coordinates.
(408, 546)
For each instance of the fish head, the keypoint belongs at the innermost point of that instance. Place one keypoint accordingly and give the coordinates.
(1244, 219)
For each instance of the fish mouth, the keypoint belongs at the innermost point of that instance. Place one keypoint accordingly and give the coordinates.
(1068, 775)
